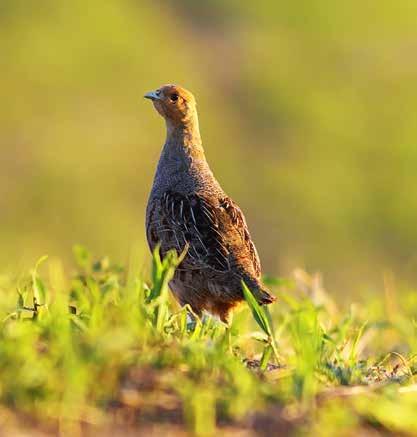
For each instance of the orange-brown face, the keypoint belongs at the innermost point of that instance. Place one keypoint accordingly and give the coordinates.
(173, 103)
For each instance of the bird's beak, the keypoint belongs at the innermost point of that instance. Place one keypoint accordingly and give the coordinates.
(152, 95)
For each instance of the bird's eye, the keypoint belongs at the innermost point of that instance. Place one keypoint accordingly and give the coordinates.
(174, 97)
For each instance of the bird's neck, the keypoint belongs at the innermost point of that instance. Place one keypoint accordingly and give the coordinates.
(183, 163)
(183, 140)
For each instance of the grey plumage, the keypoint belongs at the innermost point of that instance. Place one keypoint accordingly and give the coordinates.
(187, 209)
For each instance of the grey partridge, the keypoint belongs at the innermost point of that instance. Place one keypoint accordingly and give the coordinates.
(188, 210)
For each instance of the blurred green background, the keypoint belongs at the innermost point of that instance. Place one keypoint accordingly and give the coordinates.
(307, 111)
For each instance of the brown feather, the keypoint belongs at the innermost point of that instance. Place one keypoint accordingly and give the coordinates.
(187, 208)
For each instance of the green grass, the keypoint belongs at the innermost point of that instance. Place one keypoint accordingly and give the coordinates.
(109, 349)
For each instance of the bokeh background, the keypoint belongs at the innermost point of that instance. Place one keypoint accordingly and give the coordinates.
(307, 109)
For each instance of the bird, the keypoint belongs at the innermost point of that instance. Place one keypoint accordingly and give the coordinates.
(189, 212)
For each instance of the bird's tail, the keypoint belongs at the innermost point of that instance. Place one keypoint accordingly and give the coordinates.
(260, 292)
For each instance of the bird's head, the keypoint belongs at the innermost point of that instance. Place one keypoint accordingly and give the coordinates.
(174, 103)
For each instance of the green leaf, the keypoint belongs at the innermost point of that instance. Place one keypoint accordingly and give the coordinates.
(353, 351)
(20, 301)
(257, 311)
(82, 256)
(265, 357)
(259, 336)
(39, 290)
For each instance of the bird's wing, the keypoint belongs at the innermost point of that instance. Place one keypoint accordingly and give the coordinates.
(239, 223)
(215, 231)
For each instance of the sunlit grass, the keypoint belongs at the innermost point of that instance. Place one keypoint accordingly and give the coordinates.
(109, 347)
